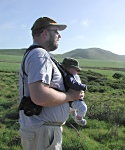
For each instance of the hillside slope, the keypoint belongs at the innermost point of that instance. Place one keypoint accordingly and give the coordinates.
(93, 53)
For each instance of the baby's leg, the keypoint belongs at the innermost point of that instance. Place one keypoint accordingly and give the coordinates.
(80, 107)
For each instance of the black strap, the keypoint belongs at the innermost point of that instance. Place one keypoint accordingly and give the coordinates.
(24, 58)
(62, 71)
(59, 66)
(25, 55)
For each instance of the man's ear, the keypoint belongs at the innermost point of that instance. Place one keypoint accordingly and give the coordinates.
(45, 33)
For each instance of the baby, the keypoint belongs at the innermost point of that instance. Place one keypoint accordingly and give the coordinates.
(78, 108)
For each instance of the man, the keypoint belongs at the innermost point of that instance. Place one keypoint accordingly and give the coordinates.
(41, 78)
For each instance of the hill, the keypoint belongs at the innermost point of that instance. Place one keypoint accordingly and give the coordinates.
(12, 51)
(93, 53)
(90, 53)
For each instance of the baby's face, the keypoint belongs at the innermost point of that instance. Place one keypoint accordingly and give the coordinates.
(73, 70)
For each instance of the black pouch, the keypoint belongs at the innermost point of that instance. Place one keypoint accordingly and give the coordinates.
(29, 107)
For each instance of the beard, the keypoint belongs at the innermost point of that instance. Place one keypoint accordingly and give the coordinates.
(52, 44)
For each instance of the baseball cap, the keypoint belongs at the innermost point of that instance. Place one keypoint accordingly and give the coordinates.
(43, 22)
(70, 62)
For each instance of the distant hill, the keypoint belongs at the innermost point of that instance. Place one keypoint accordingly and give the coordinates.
(93, 53)
(12, 51)
(90, 53)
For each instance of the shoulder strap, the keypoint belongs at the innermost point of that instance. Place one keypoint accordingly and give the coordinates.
(24, 58)
(25, 55)
(62, 71)
(59, 66)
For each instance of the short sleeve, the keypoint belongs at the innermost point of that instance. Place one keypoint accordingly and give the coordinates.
(39, 66)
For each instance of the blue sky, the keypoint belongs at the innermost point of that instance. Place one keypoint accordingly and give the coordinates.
(90, 23)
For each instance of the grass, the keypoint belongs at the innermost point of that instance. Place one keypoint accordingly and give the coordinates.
(10, 58)
(10, 63)
(105, 129)
(96, 135)
(107, 73)
(9, 67)
(98, 63)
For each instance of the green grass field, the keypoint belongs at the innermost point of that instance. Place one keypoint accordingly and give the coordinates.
(98, 63)
(10, 58)
(105, 129)
(10, 63)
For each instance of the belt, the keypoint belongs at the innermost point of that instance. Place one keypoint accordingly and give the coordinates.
(53, 123)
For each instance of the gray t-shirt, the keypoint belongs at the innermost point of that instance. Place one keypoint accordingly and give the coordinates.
(40, 67)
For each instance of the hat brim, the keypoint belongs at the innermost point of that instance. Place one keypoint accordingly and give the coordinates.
(72, 66)
(60, 26)
(77, 68)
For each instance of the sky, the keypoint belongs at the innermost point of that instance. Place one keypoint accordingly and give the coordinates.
(90, 23)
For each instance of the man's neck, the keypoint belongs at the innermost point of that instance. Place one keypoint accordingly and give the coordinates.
(36, 43)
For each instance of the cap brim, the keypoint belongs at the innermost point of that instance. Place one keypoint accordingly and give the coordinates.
(78, 68)
(60, 27)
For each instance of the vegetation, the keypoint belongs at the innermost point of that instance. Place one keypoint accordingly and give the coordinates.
(105, 129)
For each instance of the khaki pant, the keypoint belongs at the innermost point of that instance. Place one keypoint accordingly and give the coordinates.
(46, 137)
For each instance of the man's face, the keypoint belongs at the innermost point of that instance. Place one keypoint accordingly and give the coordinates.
(54, 36)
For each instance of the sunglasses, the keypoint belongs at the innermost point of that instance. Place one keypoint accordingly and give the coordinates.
(56, 31)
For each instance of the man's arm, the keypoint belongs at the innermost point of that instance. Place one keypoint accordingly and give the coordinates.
(41, 94)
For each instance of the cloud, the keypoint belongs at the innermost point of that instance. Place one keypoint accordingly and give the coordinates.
(85, 22)
(79, 37)
(73, 21)
(23, 26)
(7, 26)
(11, 26)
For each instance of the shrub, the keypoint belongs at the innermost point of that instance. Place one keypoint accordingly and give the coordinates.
(118, 75)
